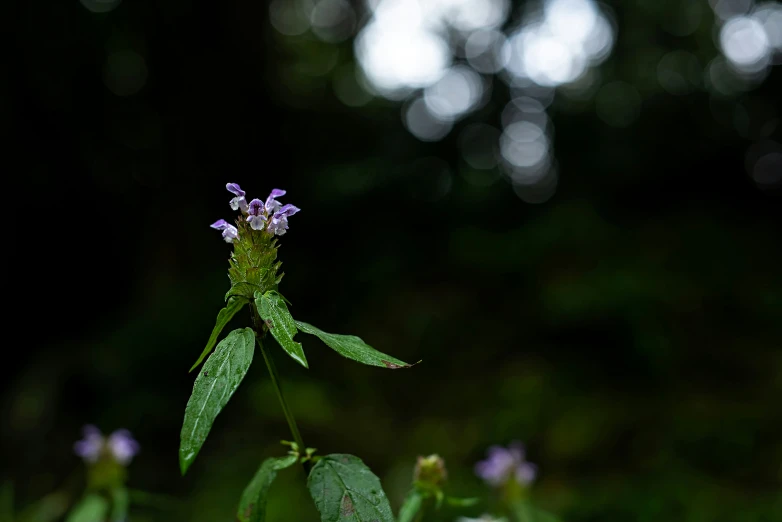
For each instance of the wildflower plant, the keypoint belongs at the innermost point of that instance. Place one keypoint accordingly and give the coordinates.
(427, 494)
(341, 485)
(507, 471)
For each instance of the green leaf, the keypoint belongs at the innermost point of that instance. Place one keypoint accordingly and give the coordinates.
(411, 506)
(462, 502)
(274, 311)
(344, 488)
(120, 503)
(223, 317)
(523, 511)
(354, 348)
(252, 506)
(92, 508)
(222, 373)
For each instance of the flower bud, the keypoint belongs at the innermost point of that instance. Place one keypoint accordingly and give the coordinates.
(430, 470)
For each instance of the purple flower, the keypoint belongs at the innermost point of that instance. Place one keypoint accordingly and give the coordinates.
(120, 445)
(279, 221)
(502, 464)
(238, 202)
(90, 447)
(257, 219)
(123, 446)
(229, 231)
(272, 205)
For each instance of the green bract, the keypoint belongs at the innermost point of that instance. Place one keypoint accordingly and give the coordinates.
(254, 266)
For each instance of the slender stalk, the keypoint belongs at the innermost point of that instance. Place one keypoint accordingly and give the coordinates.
(285, 409)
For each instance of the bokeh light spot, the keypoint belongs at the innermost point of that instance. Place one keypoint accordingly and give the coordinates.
(290, 17)
(456, 93)
(333, 20)
(485, 51)
(423, 124)
(745, 44)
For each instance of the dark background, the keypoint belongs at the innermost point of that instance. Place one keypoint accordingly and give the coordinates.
(627, 329)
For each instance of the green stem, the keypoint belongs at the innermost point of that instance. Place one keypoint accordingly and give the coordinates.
(288, 414)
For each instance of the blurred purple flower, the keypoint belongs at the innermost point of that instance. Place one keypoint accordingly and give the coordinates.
(120, 445)
(502, 464)
(272, 205)
(123, 446)
(90, 447)
(238, 202)
(279, 221)
(229, 231)
(257, 219)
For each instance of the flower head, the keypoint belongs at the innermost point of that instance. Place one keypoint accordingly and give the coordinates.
(504, 464)
(279, 221)
(430, 470)
(123, 446)
(256, 218)
(237, 203)
(229, 231)
(269, 215)
(120, 445)
(91, 446)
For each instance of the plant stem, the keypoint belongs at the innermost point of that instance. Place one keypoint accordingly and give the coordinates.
(288, 414)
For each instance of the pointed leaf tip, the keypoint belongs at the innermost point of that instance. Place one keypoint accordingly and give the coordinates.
(354, 348)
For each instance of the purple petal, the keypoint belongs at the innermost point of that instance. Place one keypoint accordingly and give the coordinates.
(238, 203)
(230, 233)
(256, 207)
(287, 210)
(123, 446)
(257, 222)
(526, 473)
(235, 189)
(271, 204)
(220, 224)
(278, 225)
(90, 447)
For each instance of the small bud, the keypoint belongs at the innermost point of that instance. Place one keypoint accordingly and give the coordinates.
(430, 470)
